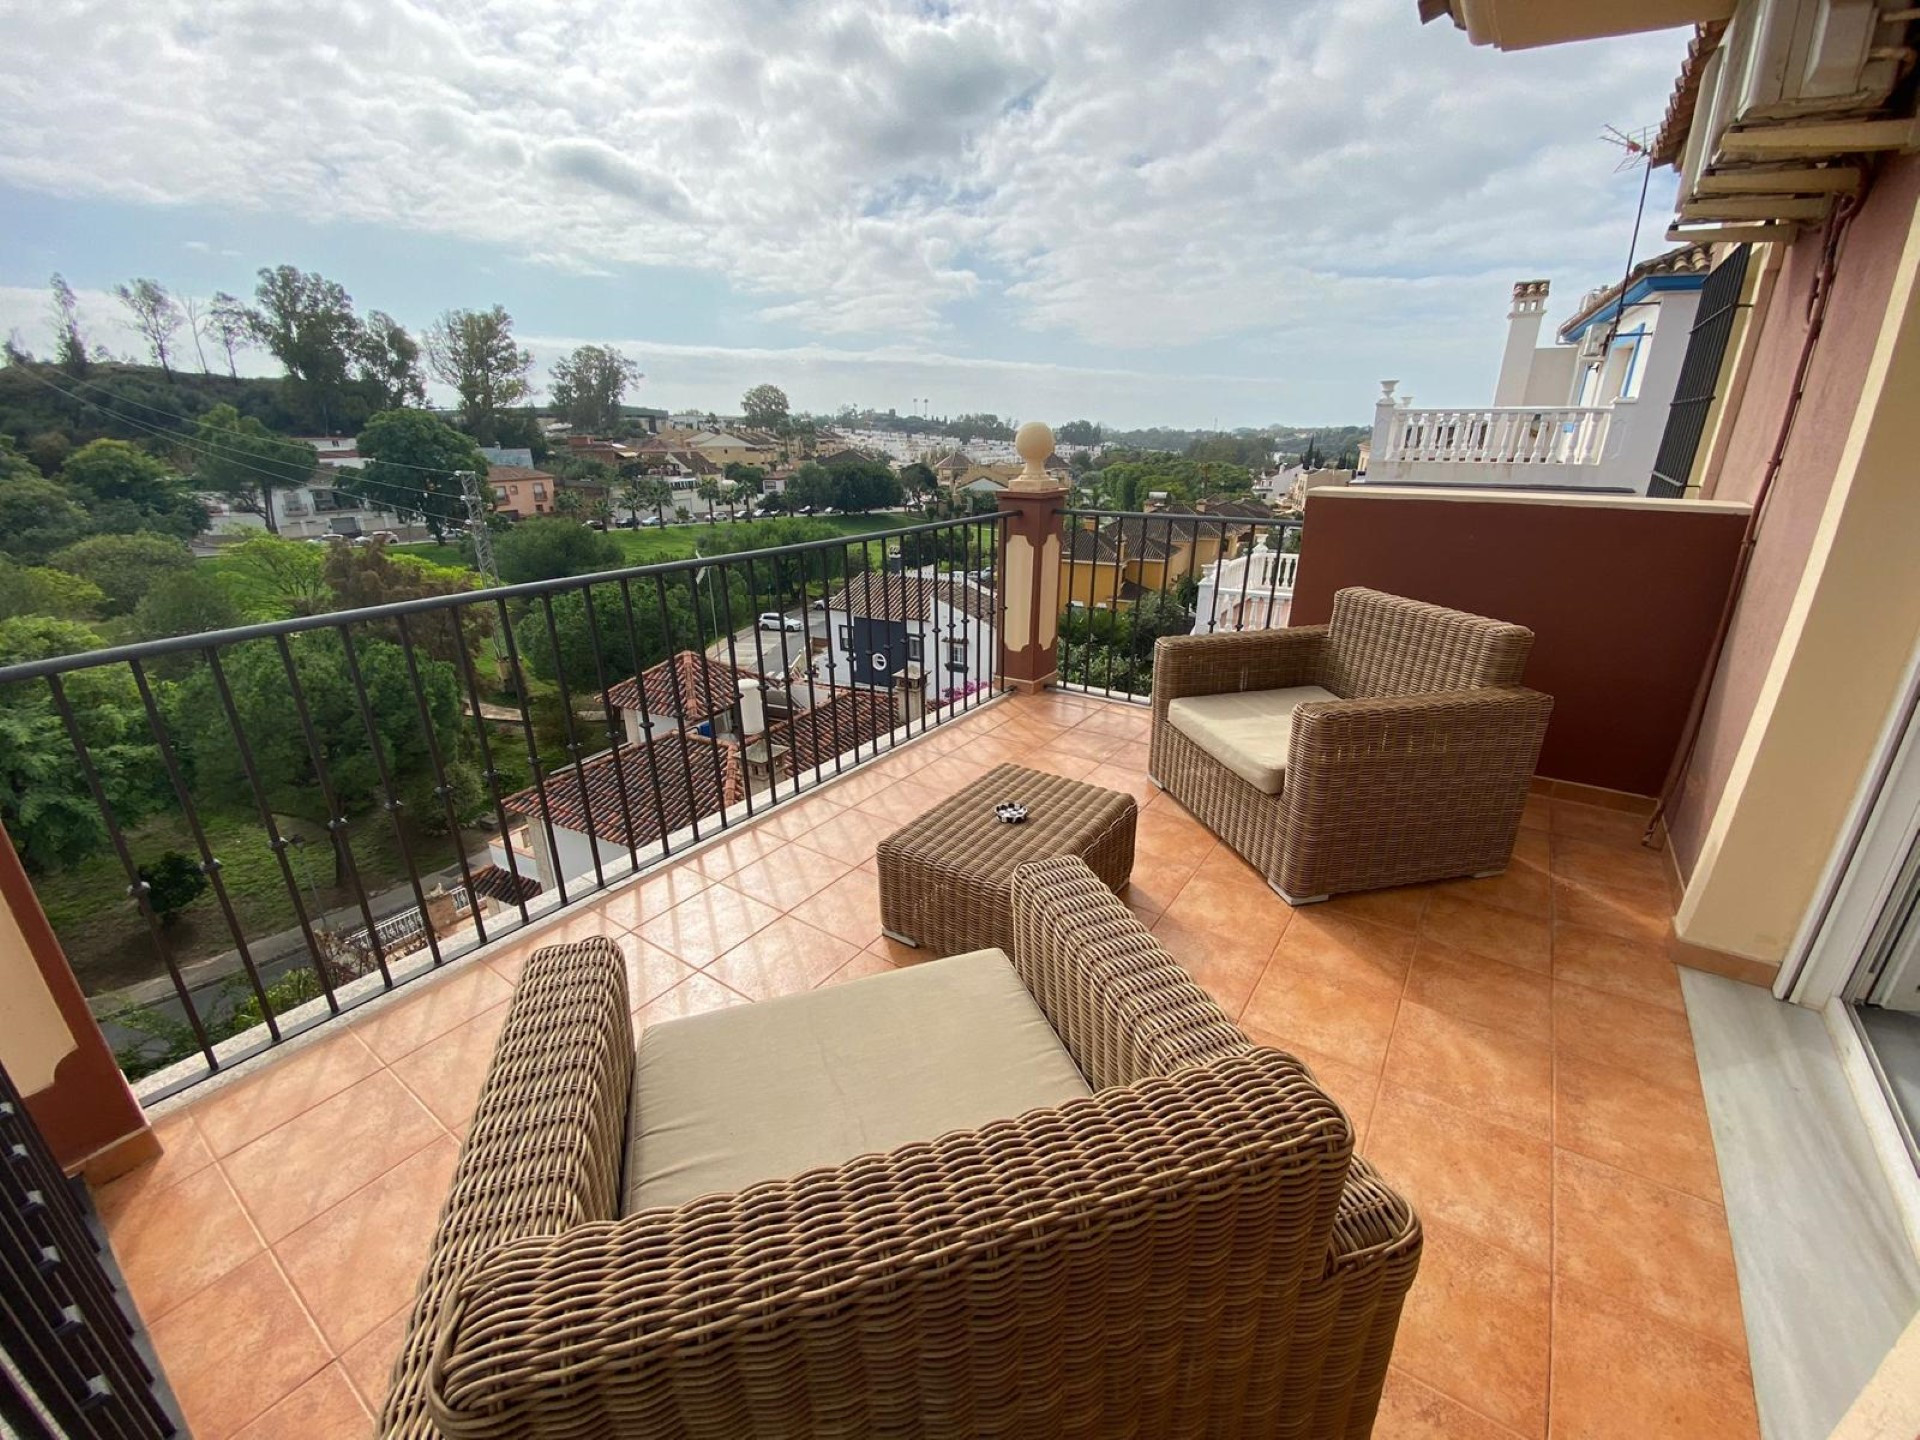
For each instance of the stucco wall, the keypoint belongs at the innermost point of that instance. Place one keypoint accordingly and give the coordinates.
(1867, 267)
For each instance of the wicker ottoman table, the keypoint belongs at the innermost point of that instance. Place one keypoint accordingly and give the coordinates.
(945, 880)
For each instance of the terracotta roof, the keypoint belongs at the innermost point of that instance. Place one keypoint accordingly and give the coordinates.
(1082, 546)
(908, 597)
(674, 775)
(494, 881)
(1672, 136)
(1240, 509)
(706, 687)
(1684, 260)
(1138, 539)
(497, 473)
(852, 719)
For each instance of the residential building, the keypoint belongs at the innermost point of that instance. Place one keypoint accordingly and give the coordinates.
(1585, 413)
(1251, 591)
(922, 636)
(688, 691)
(522, 492)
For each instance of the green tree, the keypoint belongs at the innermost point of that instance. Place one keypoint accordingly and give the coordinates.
(474, 352)
(244, 462)
(569, 502)
(634, 497)
(45, 803)
(69, 344)
(861, 484)
(550, 547)
(811, 487)
(274, 579)
(124, 489)
(37, 516)
(659, 496)
(173, 883)
(386, 356)
(185, 602)
(358, 576)
(588, 385)
(749, 482)
(1079, 432)
(156, 315)
(414, 469)
(765, 407)
(124, 567)
(42, 590)
(307, 322)
(229, 328)
(919, 481)
(708, 489)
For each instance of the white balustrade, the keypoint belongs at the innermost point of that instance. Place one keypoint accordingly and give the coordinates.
(1498, 435)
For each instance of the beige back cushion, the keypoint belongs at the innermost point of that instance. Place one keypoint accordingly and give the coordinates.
(1248, 731)
(766, 1091)
(1379, 644)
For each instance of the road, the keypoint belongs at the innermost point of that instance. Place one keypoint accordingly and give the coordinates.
(769, 657)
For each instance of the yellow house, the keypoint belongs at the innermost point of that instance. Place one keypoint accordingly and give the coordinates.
(1112, 566)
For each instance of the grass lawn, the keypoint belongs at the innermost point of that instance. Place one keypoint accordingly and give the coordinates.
(677, 542)
(107, 941)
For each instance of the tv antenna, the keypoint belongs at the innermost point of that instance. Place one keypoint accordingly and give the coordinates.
(1636, 148)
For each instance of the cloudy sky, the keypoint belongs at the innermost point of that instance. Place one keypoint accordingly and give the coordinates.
(1183, 212)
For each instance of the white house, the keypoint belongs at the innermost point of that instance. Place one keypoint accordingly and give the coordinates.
(1584, 413)
(1251, 591)
(925, 637)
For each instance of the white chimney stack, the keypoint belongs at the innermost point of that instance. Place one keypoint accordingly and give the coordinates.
(753, 708)
(1523, 338)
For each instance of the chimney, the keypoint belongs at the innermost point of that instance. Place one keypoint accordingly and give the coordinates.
(753, 709)
(1523, 337)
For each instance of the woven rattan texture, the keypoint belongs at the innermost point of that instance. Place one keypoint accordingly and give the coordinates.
(1418, 772)
(945, 879)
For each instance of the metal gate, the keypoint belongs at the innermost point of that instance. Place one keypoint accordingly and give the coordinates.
(69, 1365)
(1699, 382)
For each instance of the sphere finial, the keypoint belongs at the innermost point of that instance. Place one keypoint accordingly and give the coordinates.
(1033, 443)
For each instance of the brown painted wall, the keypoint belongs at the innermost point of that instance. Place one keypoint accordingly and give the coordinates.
(1622, 597)
(1864, 278)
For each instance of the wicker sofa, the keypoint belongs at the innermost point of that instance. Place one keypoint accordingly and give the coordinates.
(1391, 746)
(1188, 1248)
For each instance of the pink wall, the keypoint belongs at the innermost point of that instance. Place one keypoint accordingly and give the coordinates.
(1868, 261)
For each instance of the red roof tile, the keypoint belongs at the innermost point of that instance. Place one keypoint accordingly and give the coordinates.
(705, 688)
(680, 776)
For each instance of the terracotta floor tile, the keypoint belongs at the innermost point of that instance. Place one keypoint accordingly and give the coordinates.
(864, 963)
(591, 922)
(1476, 1328)
(1223, 863)
(848, 908)
(904, 802)
(1089, 744)
(693, 996)
(1651, 1041)
(1355, 954)
(1611, 1115)
(1052, 760)
(349, 1263)
(1506, 1077)
(1597, 863)
(445, 1074)
(325, 1406)
(1638, 969)
(743, 847)
(1225, 965)
(431, 1007)
(237, 1349)
(789, 875)
(509, 960)
(1456, 1167)
(660, 890)
(1649, 1246)
(790, 819)
(369, 1360)
(1487, 991)
(705, 927)
(246, 1110)
(1157, 879)
(1642, 913)
(1622, 800)
(896, 954)
(850, 836)
(183, 1151)
(785, 958)
(1538, 814)
(1523, 887)
(1127, 779)
(1311, 1007)
(1124, 722)
(1620, 1371)
(1488, 930)
(860, 785)
(173, 1243)
(1591, 822)
(1399, 908)
(1410, 1410)
(291, 1174)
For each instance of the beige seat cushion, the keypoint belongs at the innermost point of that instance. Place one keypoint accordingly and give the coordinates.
(1248, 731)
(765, 1091)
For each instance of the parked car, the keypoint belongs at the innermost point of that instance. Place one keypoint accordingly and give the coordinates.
(774, 620)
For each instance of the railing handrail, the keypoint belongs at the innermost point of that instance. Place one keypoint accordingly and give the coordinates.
(1503, 409)
(334, 619)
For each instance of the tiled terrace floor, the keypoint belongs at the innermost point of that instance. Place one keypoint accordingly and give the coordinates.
(1513, 1053)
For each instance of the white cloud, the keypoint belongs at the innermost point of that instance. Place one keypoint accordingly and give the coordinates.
(1323, 178)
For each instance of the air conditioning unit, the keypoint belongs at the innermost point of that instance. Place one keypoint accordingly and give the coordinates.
(1792, 86)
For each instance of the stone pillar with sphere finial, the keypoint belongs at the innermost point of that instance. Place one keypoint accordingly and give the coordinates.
(1029, 566)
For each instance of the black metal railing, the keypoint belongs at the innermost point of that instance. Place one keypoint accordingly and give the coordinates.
(71, 1365)
(1130, 577)
(244, 833)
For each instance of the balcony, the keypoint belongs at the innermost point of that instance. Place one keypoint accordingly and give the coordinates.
(1513, 1052)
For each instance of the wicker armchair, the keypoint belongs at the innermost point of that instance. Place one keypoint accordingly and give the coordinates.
(1410, 763)
(1190, 1250)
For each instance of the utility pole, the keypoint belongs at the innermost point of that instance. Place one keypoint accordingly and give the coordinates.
(477, 509)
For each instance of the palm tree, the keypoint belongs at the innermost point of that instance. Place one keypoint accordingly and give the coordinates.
(600, 511)
(708, 490)
(659, 496)
(633, 495)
